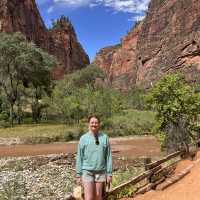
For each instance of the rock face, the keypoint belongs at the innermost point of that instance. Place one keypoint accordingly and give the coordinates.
(24, 16)
(119, 61)
(166, 41)
(169, 41)
(123, 68)
(104, 60)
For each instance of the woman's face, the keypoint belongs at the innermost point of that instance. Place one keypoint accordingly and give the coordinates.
(94, 125)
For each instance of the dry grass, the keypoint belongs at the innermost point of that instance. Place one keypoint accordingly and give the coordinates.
(39, 130)
(42, 133)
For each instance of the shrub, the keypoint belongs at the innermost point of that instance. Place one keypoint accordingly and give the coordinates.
(177, 107)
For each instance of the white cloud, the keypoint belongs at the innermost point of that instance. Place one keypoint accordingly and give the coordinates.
(73, 3)
(50, 9)
(136, 18)
(130, 6)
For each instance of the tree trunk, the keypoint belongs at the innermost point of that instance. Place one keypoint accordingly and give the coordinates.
(11, 114)
(19, 113)
(177, 135)
(36, 111)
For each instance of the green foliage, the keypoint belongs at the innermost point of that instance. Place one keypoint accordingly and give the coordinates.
(58, 24)
(177, 107)
(120, 177)
(22, 66)
(136, 99)
(78, 95)
(4, 108)
(85, 76)
(44, 133)
(130, 122)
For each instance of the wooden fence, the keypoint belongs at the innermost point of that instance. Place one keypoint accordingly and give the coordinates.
(156, 172)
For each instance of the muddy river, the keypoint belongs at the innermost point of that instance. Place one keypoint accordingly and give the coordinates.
(129, 146)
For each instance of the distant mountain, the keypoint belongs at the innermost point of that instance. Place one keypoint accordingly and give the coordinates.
(60, 41)
(166, 41)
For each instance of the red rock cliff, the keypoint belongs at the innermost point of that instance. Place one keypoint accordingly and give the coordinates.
(119, 62)
(23, 16)
(167, 40)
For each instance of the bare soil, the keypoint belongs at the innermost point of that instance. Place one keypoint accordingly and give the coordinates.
(130, 147)
(185, 189)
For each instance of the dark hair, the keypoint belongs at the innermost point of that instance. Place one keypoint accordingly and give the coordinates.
(94, 116)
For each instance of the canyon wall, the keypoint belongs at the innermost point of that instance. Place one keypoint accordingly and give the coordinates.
(61, 41)
(166, 41)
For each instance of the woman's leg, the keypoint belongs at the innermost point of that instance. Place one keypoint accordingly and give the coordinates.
(99, 190)
(89, 190)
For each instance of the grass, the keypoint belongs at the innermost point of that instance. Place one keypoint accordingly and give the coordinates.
(42, 133)
(120, 177)
(34, 130)
(130, 122)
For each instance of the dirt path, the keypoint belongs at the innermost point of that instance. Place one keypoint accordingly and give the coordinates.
(186, 189)
(130, 147)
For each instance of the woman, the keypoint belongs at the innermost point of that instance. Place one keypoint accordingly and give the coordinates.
(94, 161)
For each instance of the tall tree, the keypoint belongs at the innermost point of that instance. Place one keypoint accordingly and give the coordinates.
(10, 49)
(21, 64)
(36, 70)
(177, 107)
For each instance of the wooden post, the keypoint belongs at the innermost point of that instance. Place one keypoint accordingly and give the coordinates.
(147, 161)
(198, 144)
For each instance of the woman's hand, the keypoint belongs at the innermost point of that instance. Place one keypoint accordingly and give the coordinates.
(78, 181)
(109, 179)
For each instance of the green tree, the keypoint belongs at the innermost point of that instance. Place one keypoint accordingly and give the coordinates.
(177, 107)
(37, 65)
(78, 95)
(59, 23)
(21, 64)
(4, 107)
(86, 76)
(10, 49)
(136, 98)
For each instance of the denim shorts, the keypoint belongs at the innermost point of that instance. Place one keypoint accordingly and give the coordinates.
(93, 176)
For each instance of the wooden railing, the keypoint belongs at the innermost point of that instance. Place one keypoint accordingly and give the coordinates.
(156, 172)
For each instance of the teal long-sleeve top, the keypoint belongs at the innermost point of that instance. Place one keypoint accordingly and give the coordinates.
(91, 156)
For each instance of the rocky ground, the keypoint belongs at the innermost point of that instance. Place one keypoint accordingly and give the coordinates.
(41, 177)
(45, 177)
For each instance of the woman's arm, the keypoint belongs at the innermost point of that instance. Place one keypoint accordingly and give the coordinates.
(79, 159)
(108, 159)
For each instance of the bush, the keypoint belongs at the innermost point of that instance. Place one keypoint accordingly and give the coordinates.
(68, 136)
(4, 124)
(131, 122)
(136, 99)
(4, 116)
(177, 107)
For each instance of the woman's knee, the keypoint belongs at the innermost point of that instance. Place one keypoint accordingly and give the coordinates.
(89, 196)
(99, 191)
(89, 191)
(98, 197)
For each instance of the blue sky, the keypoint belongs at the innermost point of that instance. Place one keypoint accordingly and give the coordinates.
(98, 23)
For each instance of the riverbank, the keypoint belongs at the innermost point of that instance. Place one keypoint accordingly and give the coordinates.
(133, 147)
